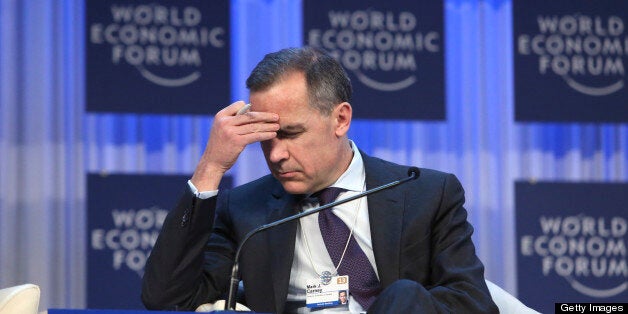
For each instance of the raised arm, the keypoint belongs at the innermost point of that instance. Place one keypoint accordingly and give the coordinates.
(176, 274)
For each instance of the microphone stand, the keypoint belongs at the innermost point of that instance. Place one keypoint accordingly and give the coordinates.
(413, 173)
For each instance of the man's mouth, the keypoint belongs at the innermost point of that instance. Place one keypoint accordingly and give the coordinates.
(286, 174)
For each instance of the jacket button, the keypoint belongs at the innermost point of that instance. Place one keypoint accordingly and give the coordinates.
(185, 218)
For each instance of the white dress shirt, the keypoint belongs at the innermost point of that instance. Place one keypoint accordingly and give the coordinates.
(354, 214)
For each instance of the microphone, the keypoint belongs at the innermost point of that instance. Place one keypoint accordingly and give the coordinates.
(413, 174)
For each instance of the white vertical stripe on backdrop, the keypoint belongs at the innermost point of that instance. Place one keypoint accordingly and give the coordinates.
(48, 143)
(42, 172)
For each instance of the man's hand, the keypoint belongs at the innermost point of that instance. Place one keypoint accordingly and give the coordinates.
(229, 134)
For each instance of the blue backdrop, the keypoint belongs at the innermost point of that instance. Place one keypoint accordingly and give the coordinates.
(48, 143)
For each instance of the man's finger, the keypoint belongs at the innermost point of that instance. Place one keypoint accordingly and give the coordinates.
(258, 127)
(259, 136)
(256, 117)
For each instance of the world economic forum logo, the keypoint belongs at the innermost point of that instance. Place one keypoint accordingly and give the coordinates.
(587, 51)
(164, 43)
(130, 237)
(588, 252)
(374, 44)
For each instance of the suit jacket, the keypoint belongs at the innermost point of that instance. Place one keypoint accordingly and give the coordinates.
(419, 232)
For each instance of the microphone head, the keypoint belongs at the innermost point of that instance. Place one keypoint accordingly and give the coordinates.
(414, 172)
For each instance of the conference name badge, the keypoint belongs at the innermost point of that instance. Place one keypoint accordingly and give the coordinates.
(335, 293)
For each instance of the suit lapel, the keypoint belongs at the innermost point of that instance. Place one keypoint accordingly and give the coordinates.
(386, 209)
(281, 237)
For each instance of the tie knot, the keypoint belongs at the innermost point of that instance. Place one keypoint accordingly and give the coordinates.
(328, 195)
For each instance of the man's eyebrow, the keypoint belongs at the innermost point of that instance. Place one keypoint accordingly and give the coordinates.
(293, 128)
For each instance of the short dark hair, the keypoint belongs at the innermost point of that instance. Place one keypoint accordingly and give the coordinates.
(327, 82)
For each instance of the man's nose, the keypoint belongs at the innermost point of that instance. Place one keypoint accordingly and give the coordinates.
(278, 150)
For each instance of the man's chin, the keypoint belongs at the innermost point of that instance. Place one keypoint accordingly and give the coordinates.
(294, 187)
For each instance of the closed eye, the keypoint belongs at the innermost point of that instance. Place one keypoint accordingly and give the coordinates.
(287, 135)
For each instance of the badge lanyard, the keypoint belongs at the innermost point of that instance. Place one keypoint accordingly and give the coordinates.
(326, 276)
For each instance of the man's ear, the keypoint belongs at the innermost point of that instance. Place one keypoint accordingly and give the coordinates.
(342, 115)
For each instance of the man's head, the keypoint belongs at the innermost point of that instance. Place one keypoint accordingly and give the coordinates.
(327, 82)
(342, 297)
(309, 91)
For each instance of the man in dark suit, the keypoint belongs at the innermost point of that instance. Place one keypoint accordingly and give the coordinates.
(405, 249)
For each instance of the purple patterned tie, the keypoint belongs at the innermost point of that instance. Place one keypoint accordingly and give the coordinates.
(363, 283)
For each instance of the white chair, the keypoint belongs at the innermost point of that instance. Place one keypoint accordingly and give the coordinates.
(506, 302)
(22, 299)
(219, 306)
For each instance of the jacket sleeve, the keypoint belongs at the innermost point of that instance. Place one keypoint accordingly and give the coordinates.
(457, 272)
(454, 275)
(182, 272)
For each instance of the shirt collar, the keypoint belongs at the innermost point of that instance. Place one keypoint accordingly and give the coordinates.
(353, 178)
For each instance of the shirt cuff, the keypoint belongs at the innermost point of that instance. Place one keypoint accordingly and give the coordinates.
(202, 195)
